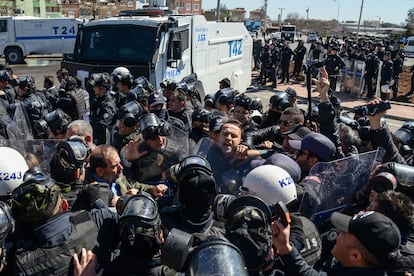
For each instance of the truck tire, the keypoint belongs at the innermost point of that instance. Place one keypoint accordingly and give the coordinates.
(13, 55)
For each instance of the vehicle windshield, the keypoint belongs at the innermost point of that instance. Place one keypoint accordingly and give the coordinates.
(288, 28)
(128, 43)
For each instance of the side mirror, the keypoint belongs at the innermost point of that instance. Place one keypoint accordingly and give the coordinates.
(176, 49)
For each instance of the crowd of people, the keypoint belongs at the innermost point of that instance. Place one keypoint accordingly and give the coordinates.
(379, 62)
(144, 182)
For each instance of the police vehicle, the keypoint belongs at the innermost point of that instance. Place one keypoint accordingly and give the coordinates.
(25, 35)
(166, 48)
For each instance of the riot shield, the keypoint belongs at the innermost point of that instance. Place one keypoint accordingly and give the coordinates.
(178, 142)
(43, 149)
(228, 173)
(5, 119)
(336, 185)
(19, 128)
(345, 82)
(358, 83)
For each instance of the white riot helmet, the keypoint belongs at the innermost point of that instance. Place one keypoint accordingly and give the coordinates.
(12, 168)
(271, 184)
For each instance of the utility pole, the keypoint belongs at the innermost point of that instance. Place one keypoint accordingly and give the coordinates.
(307, 19)
(218, 11)
(265, 16)
(359, 20)
(281, 12)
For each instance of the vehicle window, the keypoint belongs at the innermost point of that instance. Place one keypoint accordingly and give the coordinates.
(131, 44)
(3, 26)
(410, 43)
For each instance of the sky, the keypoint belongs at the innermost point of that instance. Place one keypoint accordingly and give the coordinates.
(387, 11)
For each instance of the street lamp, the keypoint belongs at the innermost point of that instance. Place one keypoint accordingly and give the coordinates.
(218, 11)
(337, 14)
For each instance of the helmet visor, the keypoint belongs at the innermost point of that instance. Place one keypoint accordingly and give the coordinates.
(217, 259)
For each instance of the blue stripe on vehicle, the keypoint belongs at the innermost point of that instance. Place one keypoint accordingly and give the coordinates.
(44, 37)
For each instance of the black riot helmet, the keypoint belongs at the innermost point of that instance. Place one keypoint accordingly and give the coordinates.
(256, 104)
(151, 126)
(4, 75)
(405, 134)
(57, 121)
(100, 79)
(280, 100)
(196, 185)
(225, 96)
(243, 101)
(144, 83)
(217, 256)
(140, 225)
(130, 113)
(248, 227)
(70, 155)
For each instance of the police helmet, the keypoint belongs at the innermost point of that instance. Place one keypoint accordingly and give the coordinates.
(271, 184)
(13, 166)
(4, 75)
(151, 126)
(58, 119)
(256, 104)
(248, 227)
(202, 115)
(139, 216)
(35, 200)
(405, 134)
(122, 74)
(196, 185)
(26, 82)
(130, 113)
(70, 155)
(144, 83)
(100, 79)
(243, 101)
(280, 100)
(224, 96)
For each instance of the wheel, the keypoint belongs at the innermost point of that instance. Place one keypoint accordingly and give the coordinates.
(13, 56)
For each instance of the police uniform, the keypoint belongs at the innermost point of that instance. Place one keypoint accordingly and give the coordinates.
(103, 117)
(371, 72)
(286, 57)
(333, 64)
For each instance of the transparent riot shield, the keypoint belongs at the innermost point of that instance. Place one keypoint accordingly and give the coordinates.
(178, 142)
(358, 83)
(19, 128)
(347, 73)
(43, 149)
(228, 173)
(5, 119)
(336, 185)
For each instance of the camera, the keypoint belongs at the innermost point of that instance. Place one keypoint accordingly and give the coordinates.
(313, 69)
(371, 109)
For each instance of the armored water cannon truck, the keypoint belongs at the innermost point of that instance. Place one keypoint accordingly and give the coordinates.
(26, 35)
(166, 48)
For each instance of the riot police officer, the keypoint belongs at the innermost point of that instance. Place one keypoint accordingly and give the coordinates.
(387, 73)
(333, 64)
(300, 52)
(35, 106)
(103, 108)
(371, 72)
(397, 70)
(7, 91)
(286, 57)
